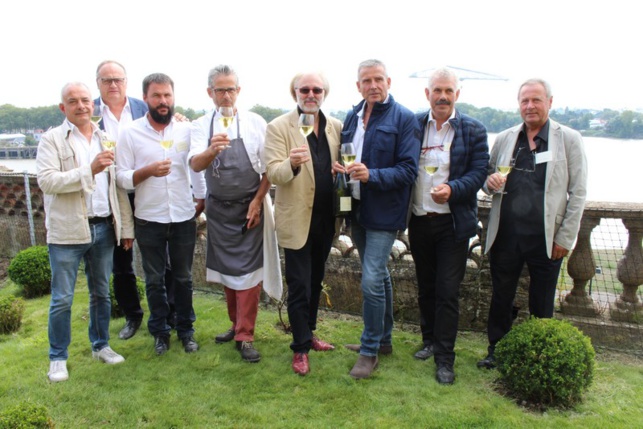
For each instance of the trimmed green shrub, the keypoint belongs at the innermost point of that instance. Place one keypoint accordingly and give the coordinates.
(547, 362)
(116, 309)
(11, 310)
(30, 270)
(26, 415)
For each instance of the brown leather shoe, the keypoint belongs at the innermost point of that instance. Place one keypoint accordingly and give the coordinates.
(322, 346)
(300, 363)
(364, 367)
(353, 347)
(384, 349)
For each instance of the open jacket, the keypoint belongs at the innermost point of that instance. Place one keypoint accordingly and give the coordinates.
(565, 184)
(64, 181)
(469, 158)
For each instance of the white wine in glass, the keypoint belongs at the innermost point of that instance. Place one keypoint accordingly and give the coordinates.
(227, 116)
(349, 155)
(109, 144)
(504, 170)
(306, 124)
(166, 145)
(431, 169)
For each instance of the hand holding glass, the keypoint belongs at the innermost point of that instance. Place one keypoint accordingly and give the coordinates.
(503, 167)
(348, 156)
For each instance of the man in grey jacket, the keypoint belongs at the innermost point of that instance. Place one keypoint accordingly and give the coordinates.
(86, 216)
(538, 178)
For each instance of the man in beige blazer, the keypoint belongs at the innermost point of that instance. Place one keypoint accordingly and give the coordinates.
(536, 209)
(301, 169)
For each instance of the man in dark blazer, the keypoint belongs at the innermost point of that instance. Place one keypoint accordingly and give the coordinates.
(536, 209)
(117, 110)
(444, 212)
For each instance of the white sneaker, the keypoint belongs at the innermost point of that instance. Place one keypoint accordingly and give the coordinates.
(108, 355)
(58, 371)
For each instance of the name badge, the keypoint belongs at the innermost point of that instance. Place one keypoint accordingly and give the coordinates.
(544, 157)
(181, 146)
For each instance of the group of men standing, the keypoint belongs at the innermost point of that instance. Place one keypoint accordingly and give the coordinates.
(173, 170)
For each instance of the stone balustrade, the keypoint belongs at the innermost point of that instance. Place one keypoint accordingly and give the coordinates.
(612, 316)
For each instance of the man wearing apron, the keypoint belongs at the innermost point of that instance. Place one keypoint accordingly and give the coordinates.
(238, 209)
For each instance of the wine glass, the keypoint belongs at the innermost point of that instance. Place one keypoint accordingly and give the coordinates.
(349, 155)
(97, 114)
(166, 145)
(431, 165)
(306, 124)
(504, 166)
(227, 115)
(108, 143)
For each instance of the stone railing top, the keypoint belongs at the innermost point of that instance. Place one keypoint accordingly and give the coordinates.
(600, 209)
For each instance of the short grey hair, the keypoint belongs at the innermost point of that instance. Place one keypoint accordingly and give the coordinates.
(444, 73)
(69, 85)
(537, 81)
(222, 70)
(371, 63)
(109, 62)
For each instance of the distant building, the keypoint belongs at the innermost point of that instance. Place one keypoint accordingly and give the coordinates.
(597, 124)
(9, 140)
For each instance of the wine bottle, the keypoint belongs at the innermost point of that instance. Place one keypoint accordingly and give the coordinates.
(342, 196)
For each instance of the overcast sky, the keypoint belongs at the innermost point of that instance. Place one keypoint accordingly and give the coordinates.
(590, 51)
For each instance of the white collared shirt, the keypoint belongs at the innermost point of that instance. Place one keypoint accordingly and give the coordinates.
(436, 145)
(358, 144)
(158, 199)
(113, 125)
(97, 202)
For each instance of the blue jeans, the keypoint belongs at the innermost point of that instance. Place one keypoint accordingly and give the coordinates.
(65, 261)
(156, 241)
(374, 247)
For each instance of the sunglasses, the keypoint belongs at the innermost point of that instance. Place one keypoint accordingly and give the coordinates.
(315, 90)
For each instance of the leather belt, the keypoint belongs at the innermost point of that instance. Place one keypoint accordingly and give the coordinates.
(96, 220)
(434, 214)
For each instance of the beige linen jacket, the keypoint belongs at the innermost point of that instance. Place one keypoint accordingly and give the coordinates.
(64, 183)
(294, 193)
(565, 184)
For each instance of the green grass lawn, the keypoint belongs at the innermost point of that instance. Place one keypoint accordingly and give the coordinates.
(214, 388)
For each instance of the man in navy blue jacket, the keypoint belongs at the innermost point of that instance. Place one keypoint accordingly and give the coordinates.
(386, 137)
(453, 167)
(117, 110)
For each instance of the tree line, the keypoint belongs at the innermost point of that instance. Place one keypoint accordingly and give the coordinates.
(625, 124)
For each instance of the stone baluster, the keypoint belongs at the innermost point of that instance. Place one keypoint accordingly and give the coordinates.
(629, 271)
(581, 267)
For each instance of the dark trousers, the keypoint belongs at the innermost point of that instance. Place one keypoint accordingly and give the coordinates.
(304, 275)
(125, 290)
(507, 258)
(440, 263)
(156, 241)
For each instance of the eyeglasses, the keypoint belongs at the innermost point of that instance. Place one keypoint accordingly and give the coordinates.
(111, 80)
(428, 148)
(315, 90)
(222, 91)
(525, 161)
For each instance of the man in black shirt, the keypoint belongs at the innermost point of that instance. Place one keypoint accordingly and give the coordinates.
(536, 210)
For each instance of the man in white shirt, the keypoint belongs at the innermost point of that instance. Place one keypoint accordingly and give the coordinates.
(242, 251)
(85, 217)
(152, 159)
(116, 111)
